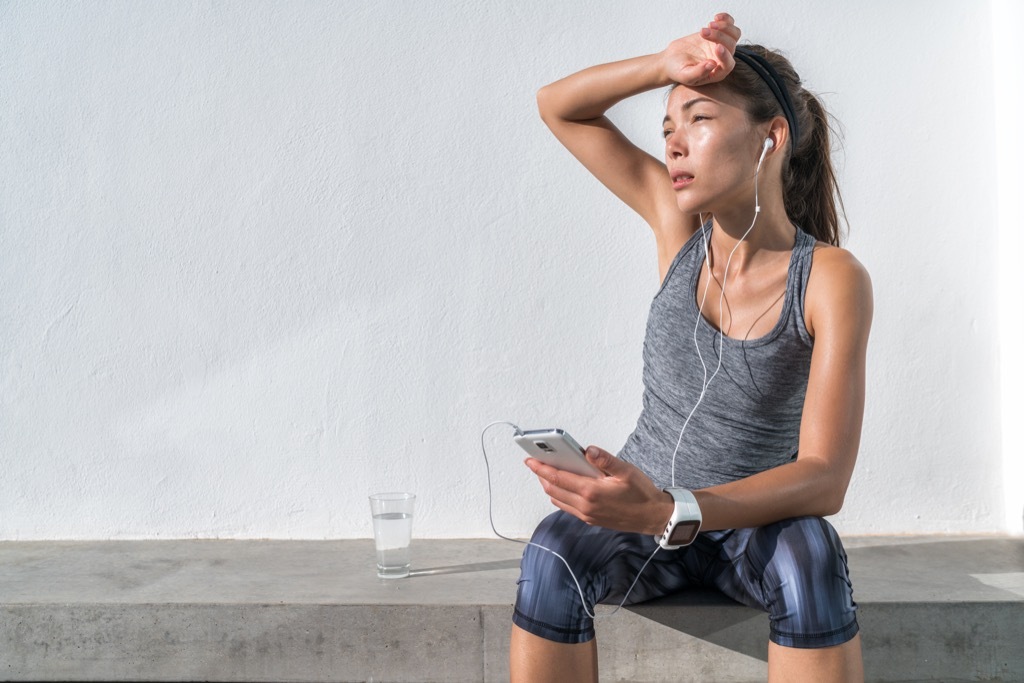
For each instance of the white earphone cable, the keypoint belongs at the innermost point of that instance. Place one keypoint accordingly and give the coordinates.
(589, 609)
(705, 383)
(721, 302)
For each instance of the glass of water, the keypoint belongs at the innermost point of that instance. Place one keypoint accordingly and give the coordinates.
(392, 532)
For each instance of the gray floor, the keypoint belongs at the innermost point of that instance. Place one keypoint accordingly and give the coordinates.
(931, 608)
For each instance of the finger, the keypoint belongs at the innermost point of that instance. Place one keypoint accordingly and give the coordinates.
(721, 37)
(572, 511)
(567, 481)
(606, 462)
(728, 61)
(563, 498)
(727, 64)
(696, 74)
(727, 28)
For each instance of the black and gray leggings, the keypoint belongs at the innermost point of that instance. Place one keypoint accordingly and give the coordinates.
(794, 569)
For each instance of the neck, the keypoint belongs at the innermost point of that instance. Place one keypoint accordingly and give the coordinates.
(772, 232)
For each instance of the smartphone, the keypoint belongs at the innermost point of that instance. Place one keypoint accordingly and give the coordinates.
(556, 448)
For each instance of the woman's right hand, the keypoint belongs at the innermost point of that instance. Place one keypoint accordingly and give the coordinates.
(703, 57)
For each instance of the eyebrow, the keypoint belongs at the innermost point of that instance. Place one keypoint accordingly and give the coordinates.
(687, 105)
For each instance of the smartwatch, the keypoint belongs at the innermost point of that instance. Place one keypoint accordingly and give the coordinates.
(684, 523)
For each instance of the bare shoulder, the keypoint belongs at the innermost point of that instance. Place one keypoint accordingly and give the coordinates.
(838, 293)
(837, 265)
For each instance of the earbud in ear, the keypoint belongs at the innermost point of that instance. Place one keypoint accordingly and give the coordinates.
(768, 144)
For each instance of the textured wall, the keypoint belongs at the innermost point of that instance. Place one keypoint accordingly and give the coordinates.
(258, 260)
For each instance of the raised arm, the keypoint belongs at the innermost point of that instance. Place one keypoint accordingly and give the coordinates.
(574, 109)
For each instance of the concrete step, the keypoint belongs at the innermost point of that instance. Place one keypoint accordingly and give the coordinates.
(931, 609)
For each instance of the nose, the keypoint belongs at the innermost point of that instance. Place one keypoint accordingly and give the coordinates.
(675, 145)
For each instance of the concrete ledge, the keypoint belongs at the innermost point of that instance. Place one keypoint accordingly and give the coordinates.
(931, 609)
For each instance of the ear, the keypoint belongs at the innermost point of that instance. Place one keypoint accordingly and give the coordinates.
(778, 133)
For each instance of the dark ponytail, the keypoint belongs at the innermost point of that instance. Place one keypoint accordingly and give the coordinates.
(810, 188)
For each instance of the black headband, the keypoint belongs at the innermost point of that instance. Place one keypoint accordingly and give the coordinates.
(778, 87)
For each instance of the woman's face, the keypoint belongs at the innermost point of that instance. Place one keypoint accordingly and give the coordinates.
(711, 149)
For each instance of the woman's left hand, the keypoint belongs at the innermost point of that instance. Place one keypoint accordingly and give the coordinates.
(625, 499)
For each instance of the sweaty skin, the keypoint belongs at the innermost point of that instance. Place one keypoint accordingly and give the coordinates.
(711, 151)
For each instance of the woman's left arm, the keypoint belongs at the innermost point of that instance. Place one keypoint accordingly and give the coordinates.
(838, 308)
(838, 311)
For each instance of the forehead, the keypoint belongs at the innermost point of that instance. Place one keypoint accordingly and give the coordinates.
(684, 97)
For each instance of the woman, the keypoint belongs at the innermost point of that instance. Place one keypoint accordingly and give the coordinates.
(754, 366)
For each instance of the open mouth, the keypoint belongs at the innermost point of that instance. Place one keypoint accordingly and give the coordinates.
(680, 179)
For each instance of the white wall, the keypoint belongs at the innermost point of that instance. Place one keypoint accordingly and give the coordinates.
(259, 260)
(1007, 17)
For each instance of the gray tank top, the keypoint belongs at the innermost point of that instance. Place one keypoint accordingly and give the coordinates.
(749, 419)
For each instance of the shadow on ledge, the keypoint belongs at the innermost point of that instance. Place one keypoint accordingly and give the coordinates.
(892, 580)
(711, 616)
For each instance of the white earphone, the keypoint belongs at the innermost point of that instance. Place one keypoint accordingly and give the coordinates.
(768, 144)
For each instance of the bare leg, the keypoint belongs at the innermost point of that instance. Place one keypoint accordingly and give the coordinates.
(533, 659)
(839, 664)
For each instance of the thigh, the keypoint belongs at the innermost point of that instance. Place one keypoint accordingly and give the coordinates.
(797, 571)
(568, 558)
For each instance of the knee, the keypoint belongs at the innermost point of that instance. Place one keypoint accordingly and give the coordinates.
(806, 567)
(548, 602)
(556, 537)
(806, 584)
(541, 567)
(805, 550)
